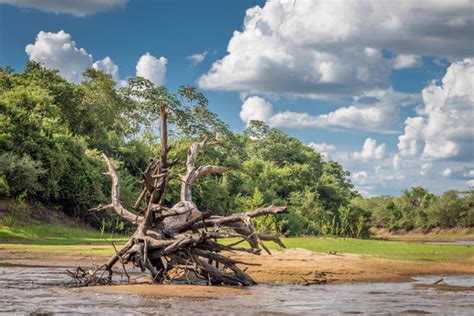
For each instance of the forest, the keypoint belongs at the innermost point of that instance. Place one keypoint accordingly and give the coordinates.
(53, 132)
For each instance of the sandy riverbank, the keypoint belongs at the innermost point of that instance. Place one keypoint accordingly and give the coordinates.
(294, 266)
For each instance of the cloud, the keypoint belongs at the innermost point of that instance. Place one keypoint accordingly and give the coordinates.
(408, 143)
(79, 8)
(108, 66)
(470, 183)
(407, 61)
(360, 180)
(425, 168)
(469, 174)
(359, 177)
(374, 111)
(324, 149)
(328, 48)
(255, 108)
(196, 59)
(59, 51)
(370, 118)
(152, 68)
(443, 129)
(447, 172)
(370, 150)
(396, 161)
(393, 173)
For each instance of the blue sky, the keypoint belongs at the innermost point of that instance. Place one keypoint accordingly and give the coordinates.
(385, 88)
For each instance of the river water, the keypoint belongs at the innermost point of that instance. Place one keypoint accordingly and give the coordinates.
(45, 291)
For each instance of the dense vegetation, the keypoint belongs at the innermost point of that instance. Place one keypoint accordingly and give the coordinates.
(418, 208)
(52, 133)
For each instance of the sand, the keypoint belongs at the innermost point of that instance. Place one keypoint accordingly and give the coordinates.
(291, 266)
(295, 265)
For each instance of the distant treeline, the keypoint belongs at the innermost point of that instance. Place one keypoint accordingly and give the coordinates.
(52, 133)
(418, 208)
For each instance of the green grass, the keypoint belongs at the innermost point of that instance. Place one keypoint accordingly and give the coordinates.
(45, 234)
(397, 250)
(49, 238)
(411, 251)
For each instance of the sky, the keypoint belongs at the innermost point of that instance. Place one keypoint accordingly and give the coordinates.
(386, 88)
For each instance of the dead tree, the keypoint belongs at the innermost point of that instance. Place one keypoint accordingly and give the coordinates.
(178, 240)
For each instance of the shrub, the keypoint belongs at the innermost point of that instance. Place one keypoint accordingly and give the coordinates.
(19, 174)
(4, 188)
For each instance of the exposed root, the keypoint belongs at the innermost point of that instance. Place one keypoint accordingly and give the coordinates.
(176, 242)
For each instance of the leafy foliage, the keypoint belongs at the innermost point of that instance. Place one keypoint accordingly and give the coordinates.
(19, 174)
(52, 133)
(418, 208)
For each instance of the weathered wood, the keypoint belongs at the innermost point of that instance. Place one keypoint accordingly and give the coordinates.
(192, 174)
(179, 237)
(115, 196)
(235, 218)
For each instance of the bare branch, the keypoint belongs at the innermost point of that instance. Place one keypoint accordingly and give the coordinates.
(240, 216)
(207, 169)
(192, 173)
(115, 196)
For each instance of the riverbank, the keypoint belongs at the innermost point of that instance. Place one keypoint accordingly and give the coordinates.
(291, 266)
(435, 234)
(308, 260)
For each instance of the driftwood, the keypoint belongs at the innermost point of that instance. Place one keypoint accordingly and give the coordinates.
(172, 242)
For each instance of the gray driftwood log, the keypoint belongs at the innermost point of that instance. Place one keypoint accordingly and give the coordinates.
(179, 240)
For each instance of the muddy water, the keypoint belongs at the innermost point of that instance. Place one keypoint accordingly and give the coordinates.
(44, 291)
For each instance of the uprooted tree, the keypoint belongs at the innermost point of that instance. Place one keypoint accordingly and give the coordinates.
(174, 241)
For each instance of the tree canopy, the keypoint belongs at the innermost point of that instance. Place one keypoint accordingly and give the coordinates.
(52, 133)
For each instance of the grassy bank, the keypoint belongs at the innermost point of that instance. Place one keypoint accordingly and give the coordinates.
(49, 238)
(37, 224)
(47, 234)
(435, 234)
(397, 250)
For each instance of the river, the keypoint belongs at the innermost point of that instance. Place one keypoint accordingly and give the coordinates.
(45, 291)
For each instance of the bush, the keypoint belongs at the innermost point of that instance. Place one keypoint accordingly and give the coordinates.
(19, 174)
(4, 188)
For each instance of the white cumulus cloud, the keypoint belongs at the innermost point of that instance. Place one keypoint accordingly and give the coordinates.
(443, 129)
(108, 66)
(408, 143)
(79, 8)
(324, 149)
(319, 48)
(152, 68)
(371, 151)
(59, 51)
(374, 111)
(255, 108)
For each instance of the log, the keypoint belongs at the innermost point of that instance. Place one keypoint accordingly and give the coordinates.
(171, 242)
